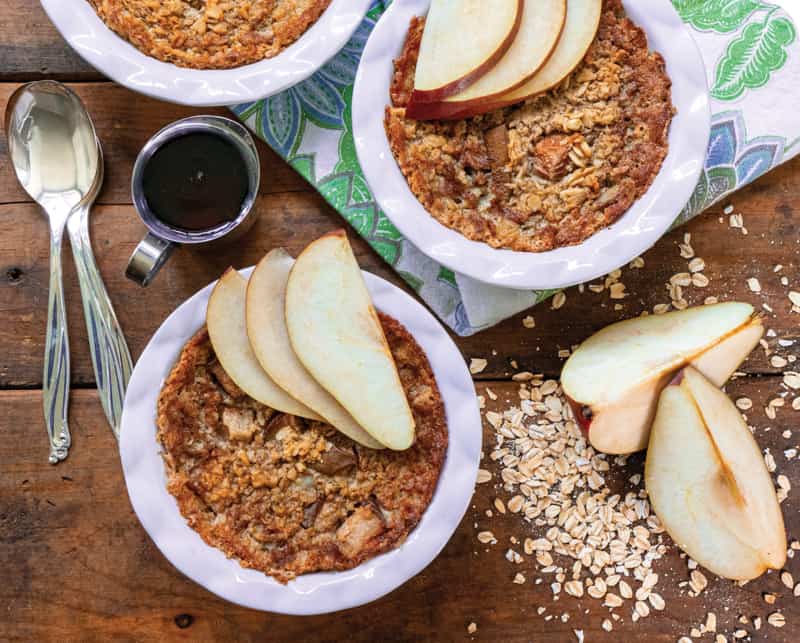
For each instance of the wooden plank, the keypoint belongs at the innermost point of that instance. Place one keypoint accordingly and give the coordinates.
(294, 219)
(31, 47)
(77, 565)
(125, 121)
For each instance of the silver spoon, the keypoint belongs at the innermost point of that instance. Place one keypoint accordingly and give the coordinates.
(54, 150)
(110, 357)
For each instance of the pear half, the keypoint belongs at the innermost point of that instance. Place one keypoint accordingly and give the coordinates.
(338, 337)
(708, 483)
(462, 41)
(225, 319)
(266, 329)
(539, 33)
(614, 378)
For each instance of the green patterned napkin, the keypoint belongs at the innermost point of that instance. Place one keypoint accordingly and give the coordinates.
(752, 56)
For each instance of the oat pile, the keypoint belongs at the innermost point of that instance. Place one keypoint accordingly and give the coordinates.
(592, 542)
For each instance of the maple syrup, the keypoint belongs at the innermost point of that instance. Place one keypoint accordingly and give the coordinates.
(197, 181)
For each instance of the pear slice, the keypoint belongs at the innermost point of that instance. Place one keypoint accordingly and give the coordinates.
(266, 329)
(580, 29)
(708, 483)
(614, 378)
(335, 332)
(539, 33)
(225, 319)
(462, 41)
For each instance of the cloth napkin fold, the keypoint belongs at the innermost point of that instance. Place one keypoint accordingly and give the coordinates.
(752, 56)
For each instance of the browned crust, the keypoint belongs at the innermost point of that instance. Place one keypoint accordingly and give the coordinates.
(238, 495)
(212, 34)
(617, 102)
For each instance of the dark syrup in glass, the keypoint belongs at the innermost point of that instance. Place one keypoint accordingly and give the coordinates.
(197, 181)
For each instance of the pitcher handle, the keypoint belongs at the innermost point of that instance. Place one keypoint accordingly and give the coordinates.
(145, 262)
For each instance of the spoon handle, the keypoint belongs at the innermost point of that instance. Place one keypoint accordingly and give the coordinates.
(56, 355)
(110, 356)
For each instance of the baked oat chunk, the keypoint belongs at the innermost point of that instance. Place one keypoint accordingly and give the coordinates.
(285, 495)
(210, 34)
(553, 170)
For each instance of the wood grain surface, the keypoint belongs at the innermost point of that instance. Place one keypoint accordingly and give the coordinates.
(76, 565)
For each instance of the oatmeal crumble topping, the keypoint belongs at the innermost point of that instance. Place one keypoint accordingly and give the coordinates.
(210, 34)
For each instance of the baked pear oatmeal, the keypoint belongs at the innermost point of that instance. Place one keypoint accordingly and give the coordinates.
(289, 496)
(553, 170)
(210, 34)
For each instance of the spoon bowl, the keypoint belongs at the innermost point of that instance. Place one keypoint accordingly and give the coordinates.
(52, 145)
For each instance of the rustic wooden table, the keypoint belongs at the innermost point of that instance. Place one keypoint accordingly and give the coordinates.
(75, 563)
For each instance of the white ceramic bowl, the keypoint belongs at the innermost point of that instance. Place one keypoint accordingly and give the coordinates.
(646, 221)
(123, 63)
(312, 593)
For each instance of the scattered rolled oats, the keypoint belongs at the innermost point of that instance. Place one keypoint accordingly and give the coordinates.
(559, 299)
(656, 601)
(792, 380)
(483, 476)
(697, 265)
(617, 291)
(529, 322)
(744, 403)
(777, 361)
(472, 628)
(794, 297)
(486, 537)
(697, 581)
(519, 579)
(787, 579)
(753, 284)
(776, 619)
(477, 365)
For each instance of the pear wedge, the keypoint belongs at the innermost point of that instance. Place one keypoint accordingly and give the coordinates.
(539, 33)
(225, 319)
(266, 329)
(338, 337)
(462, 41)
(583, 20)
(614, 378)
(708, 483)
